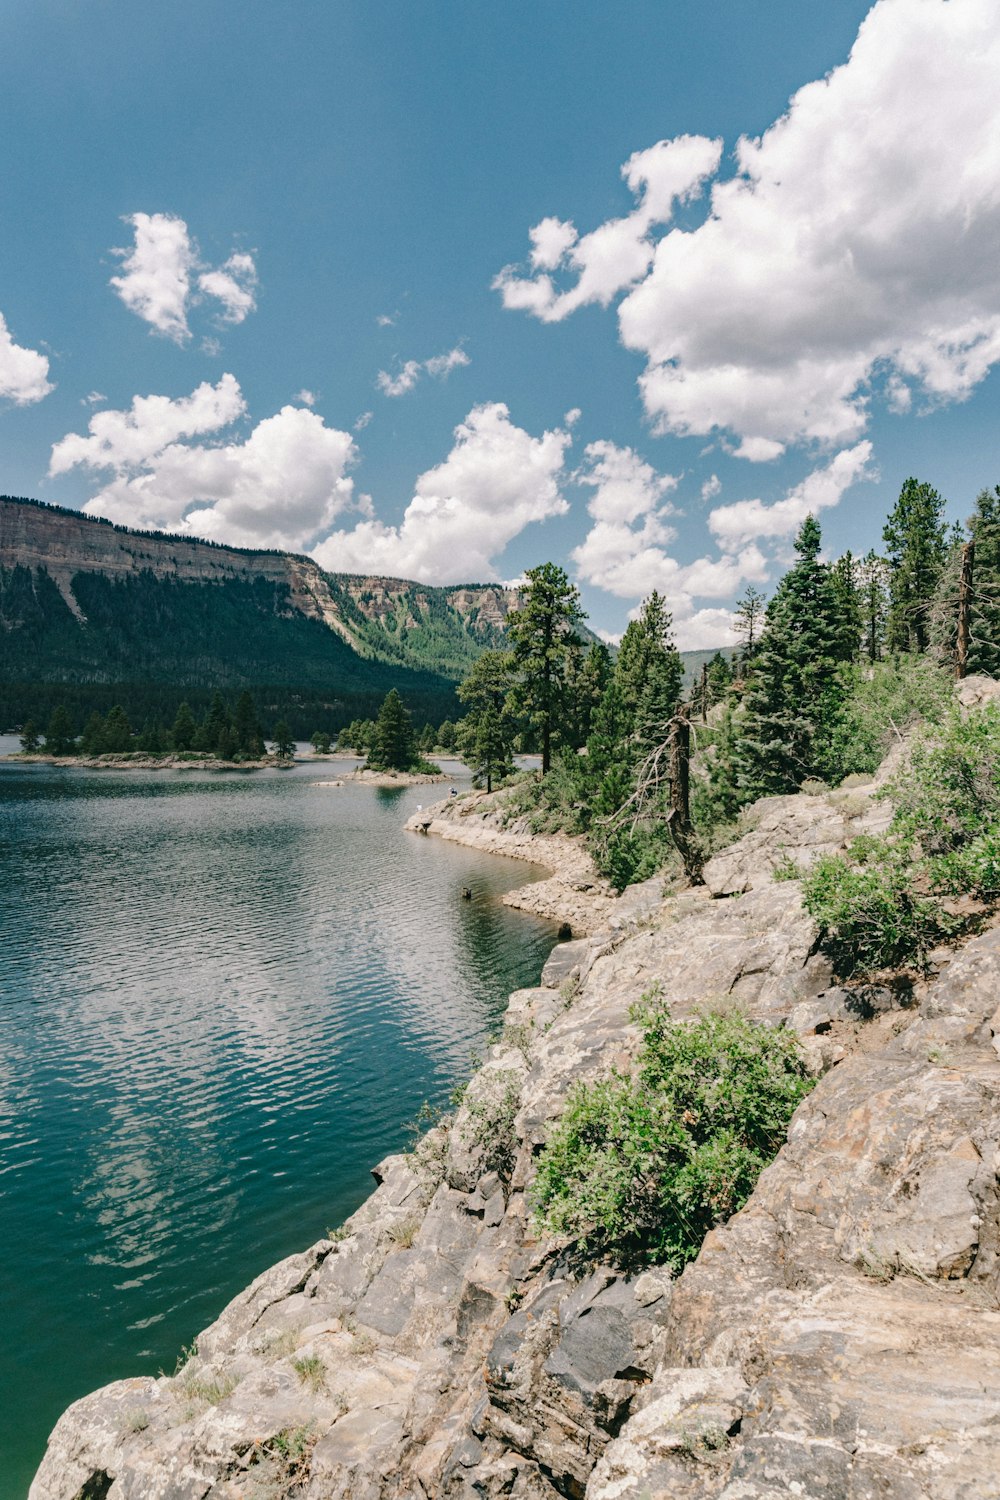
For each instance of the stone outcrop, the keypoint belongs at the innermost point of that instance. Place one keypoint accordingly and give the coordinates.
(839, 1337)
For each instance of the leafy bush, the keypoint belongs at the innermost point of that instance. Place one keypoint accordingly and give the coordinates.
(640, 1169)
(881, 701)
(874, 908)
(870, 918)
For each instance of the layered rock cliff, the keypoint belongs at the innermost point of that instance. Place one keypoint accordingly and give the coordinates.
(374, 615)
(839, 1337)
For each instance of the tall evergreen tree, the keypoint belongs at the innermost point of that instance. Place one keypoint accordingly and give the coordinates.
(118, 737)
(794, 693)
(59, 737)
(873, 600)
(29, 737)
(984, 644)
(393, 744)
(845, 578)
(542, 636)
(246, 727)
(916, 538)
(649, 673)
(748, 623)
(185, 729)
(284, 745)
(92, 738)
(486, 734)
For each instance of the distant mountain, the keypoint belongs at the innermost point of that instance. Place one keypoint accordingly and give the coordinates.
(91, 613)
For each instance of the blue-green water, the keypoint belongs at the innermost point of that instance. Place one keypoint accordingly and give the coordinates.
(222, 998)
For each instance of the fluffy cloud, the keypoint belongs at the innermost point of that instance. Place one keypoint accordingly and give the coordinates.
(626, 552)
(440, 366)
(162, 275)
(496, 480)
(852, 254)
(736, 525)
(283, 486)
(24, 373)
(619, 253)
(234, 285)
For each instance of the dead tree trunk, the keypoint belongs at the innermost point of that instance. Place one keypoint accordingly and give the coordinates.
(964, 611)
(679, 817)
(704, 692)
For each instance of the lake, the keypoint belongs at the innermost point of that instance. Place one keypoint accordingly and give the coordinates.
(223, 997)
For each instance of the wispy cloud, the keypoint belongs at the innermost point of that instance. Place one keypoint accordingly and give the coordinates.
(440, 366)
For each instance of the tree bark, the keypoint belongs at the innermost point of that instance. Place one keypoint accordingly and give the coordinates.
(964, 611)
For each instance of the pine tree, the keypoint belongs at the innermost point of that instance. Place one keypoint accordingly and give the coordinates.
(59, 738)
(284, 745)
(486, 734)
(984, 644)
(92, 739)
(719, 677)
(117, 732)
(794, 693)
(916, 537)
(845, 577)
(217, 730)
(873, 599)
(393, 743)
(30, 737)
(542, 635)
(246, 727)
(185, 730)
(649, 673)
(595, 675)
(748, 622)
(151, 738)
(320, 741)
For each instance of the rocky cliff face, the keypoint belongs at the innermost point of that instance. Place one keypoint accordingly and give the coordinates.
(66, 542)
(840, 1337)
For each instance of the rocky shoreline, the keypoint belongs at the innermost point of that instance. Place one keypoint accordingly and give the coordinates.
(574, 894)
(136, 761)
(837, 1339)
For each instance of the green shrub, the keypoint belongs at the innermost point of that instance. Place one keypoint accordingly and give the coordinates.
(874, 908)
(870, 918)
(879, 703)
(640, 1169)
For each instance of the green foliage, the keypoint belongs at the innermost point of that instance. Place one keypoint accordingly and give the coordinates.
(795, 690)
(873, 908)
(393, 745)
(30, 738)
(916, 541)
(640, 1169)
(491, 1116)
(870, 917)
(485, 737)
(880, 702)
(542, 638)
(648, 677)
(284, 745)
(59, 738)
(320, 742)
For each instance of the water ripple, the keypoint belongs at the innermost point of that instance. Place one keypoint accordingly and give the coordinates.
(221, 999)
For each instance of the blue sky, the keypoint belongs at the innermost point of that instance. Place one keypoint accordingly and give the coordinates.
(325, 276)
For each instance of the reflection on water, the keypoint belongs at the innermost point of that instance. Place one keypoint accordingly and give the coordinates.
(221, 999)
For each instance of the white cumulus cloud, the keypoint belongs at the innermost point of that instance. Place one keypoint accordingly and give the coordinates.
(163, 276)
(496, 480)
(619, 253)
(282, 486)
(24, 373)
(852, 256)
(440, 366)
(744, 521)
